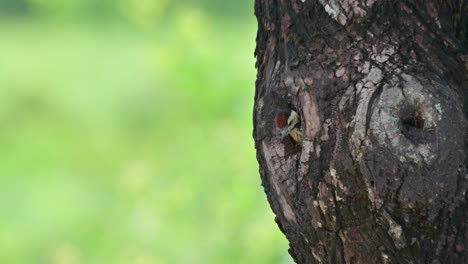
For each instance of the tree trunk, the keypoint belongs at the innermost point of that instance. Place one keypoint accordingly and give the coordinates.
(380, 87)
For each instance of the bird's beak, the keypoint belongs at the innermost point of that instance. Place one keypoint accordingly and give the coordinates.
(284, 133)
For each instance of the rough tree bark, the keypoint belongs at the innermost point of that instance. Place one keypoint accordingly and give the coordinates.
(380, 86)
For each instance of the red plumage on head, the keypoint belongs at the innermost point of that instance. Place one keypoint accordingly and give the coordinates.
(281, 119)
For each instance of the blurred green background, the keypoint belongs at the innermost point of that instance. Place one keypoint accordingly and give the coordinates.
(125, 134)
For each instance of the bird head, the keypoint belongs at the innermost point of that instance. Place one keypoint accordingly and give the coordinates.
(286, 120)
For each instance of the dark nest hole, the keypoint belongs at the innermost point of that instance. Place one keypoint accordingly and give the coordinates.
(412, 124)
(412, 120)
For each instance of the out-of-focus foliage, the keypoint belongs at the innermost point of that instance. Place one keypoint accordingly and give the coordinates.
(13, 7)
(125, 134)
(132, 9)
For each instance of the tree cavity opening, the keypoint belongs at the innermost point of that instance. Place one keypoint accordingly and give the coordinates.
(412, 123)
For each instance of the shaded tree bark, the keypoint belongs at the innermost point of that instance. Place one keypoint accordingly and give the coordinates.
(382, 90)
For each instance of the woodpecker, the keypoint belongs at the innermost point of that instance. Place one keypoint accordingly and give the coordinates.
(288, 122)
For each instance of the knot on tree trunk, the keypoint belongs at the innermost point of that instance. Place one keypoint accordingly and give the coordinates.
(411, 130)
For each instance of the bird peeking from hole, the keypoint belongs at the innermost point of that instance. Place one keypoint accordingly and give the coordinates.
(288, 122)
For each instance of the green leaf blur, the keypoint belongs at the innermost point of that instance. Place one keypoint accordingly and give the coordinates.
(125, 134)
